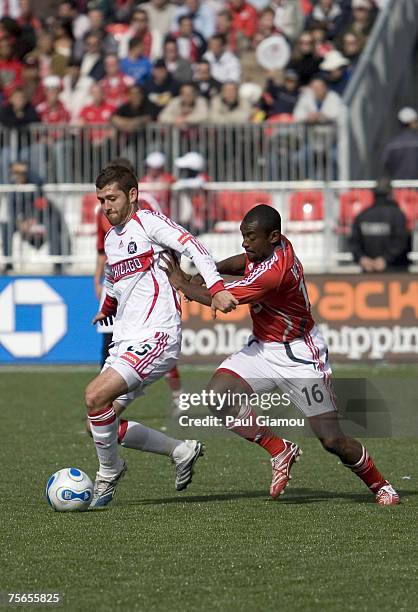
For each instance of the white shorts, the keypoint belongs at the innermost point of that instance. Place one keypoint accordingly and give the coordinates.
(142, 362)
(299, 368)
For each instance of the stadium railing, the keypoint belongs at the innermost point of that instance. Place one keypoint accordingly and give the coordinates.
(317, 217)
(256, 152)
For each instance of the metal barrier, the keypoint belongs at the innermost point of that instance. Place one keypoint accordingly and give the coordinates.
(256, 152)
(56, 231)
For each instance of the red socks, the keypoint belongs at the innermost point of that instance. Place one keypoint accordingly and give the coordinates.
(368, 472)
(246, 426)
(173, 380)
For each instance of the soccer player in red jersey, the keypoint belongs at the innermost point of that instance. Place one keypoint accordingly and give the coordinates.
(286, 350)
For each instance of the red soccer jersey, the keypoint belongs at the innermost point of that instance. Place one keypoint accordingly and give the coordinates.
(58, 114)
(116, 88)
(92, 114)
(244, 19)
(276, 292)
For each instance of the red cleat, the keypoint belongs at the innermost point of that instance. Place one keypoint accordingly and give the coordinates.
(387, 496)
(281, 465)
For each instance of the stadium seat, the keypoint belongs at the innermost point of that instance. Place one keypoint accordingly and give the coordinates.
(351, 204)
(89, 204)
(306, 211)
(407, 200)
(233, 205)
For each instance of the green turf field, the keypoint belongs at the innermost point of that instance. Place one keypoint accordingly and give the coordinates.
(222, 544)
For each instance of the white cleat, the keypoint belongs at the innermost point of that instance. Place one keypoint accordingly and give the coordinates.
(104, 490)
(185, 456)
(281, 465)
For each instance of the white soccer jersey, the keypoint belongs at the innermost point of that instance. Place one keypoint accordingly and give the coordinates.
(146, 302)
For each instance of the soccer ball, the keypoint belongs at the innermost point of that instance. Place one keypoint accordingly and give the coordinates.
(69, 489)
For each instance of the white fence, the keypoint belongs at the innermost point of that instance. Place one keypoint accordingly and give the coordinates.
(255, 152)
(59, 228)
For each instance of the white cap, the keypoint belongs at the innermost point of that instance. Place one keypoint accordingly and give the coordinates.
(333, 60)
(407, 115)
(191, 161)
(361, 4)
(52, 82)
(155, 160)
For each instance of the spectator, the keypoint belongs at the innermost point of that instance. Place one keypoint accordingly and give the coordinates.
(10, 70)
(160, 88)
(334, 68)
(322, 44)
(134, 113)
(228, 108)
(115, 83)
(224, 29)
(281, 99)
(76, 89)
(304, 60)
(161, 15)
(136, 65)
(225, 66)
(27, 19)
(157, 174)
(352, 46)
(21, 36)
(35, 218)
(186, 109)
(179, 68)
(191, 45)
(288, 17)
(52, 110)
(80, 23)
(63, 38)
(400, 155)
(122, 11)
(330, 14)
(98, 112)
(92, 62)
(96, 26)
(206, 84)
(244, 22)
(380, 240)
(191, 198)
(362, 18)
(317, 104)
(50, 62)
(32, 83)
(202, 14)
(139, 28)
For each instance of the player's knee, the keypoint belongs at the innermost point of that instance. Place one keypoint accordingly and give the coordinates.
(333, 444)
(92, 399)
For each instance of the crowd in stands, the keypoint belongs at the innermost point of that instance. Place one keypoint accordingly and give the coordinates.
(125, 63)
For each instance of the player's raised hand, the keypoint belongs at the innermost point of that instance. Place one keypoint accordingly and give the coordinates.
(223, 301)
(102, 319)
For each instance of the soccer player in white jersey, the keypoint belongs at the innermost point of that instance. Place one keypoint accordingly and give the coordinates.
(146, 331)
(286, 350)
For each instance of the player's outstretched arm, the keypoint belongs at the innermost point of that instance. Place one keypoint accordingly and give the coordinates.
(233, 266)
(178, 279)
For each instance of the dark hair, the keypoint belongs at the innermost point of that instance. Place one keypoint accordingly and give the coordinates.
(117, 174)
(218, 37)
(122, 161)
(267, 217)
(183, 17)
(134, 42)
